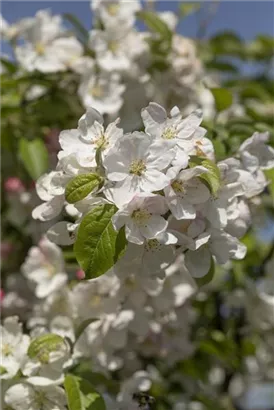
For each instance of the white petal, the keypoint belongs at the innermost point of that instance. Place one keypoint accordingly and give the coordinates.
(153, 116)
(189, 125)
(154, 227)
(160, 154)
(62, 233)
(180, 208)
(20, 396)
(153, 180)
(48, 210)
(198, 262)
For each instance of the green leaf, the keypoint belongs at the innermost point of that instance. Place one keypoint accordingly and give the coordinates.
(34, 156)
(189, 8)
(212, 177)
(227, 43)
(41, 347)
(98, 246)
(222, 66)
(154, 23)
(209, 276)
(80, 29)
(223, 98)
(2, 370)
(82, 185)
(269, 173)
(82, 327)
(91, 399)
(9, 65)
(81, 394)
(73, 393)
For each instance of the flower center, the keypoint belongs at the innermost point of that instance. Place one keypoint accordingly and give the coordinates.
(40, 49)
(50, 268)
(43, 357)
(169, 133)
(101, 141)
(96, 91)
(40, 397)
(137, 167)
(152, 245)
(95, 300)
(6, 349)
(198, 149)
(141, 216)
(130, 282)
(113, 9)
(113, 46)
(177, 186)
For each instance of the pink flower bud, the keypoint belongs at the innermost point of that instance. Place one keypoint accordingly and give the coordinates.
(14, 185)
(80, 274)
(2, 294)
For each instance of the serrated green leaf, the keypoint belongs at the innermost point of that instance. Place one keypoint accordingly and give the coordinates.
(155, 24)
(73, 393)
(82, 185)
(81, 394)
(91, 399)
(189, 8)
(222, 97)
(34, 156)
(43, 345)
(208, 277)
(213, 177)
(98, 246)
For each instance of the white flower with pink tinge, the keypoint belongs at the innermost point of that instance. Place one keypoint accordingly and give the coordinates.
(44, 267)
(142, 217)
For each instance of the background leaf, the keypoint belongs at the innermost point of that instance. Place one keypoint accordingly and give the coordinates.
(34, 156)
(222, 97)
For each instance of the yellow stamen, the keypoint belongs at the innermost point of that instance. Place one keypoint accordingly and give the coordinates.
(141, 216)
(137, 167)
(169, 134)
(177, 186)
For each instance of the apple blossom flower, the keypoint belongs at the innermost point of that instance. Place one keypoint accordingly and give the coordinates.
(44, 267)
(137, 164)
(23, 396)
(255, 153)
(89, 137)
(116, 12)
(219, 244)
(14, 347)
(185, 191)
(45, 49)
(142, 217)
(103, 91)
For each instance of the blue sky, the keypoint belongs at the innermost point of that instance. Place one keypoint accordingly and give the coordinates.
(248, 18)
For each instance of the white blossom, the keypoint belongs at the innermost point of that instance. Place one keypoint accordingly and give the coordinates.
(44, 267)
(14, 346)
(23, 396)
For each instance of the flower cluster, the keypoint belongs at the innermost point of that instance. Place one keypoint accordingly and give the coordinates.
(169, 194)
(124, 316)
(114, 65)
(131, 288)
